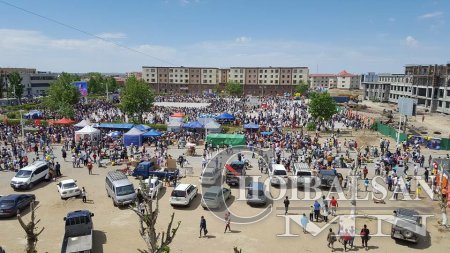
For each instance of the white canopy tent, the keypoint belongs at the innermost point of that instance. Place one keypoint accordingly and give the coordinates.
(83, 123)
(213, 127)
(87, 132)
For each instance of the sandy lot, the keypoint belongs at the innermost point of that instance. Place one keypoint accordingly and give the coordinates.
(116, 229)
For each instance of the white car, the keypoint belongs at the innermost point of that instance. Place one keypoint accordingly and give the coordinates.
(209, 176)
(68, 188)
(154, 185)
(183, 195)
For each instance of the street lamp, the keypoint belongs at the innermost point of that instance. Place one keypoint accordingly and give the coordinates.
(21, 123)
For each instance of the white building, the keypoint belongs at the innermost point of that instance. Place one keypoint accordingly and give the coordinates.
(342, 80)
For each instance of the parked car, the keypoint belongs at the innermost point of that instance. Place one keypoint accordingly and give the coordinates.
(232, 178)
(119, 188)
(154, 185)
(215, 197)
(29, 176)
(302, 174)
(327, 177)
(278, 175)
(12, 204)
(405, 224)
(68, 188)
(78, 232)
(183, 195)
(209, 176)
(256, 194)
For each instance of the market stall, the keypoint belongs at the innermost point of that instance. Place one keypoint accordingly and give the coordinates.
(87, 132)
(220, 140)
(134, 136)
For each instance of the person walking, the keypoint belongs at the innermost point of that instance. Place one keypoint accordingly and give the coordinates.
(227, 222)
(83, 194)
(334, 205)
(89, 166)
(304, 221)
(346, 239)
(331, 238)
(366, 183)
(203, 227)
(286, 205)
(365, 236)
(316, 211)
(58, 169)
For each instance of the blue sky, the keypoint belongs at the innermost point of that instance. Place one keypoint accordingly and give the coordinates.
(359, 36)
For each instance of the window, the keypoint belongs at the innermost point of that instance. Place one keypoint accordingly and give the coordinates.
(186, 81)
(210, 71)
(152, 70)
(265, 71)
(260, 76)
(288, 76)
(242, 81)
(235, 76)
(271, 76)
(295, 71)
(300, 76)
(282, 81)
(147, 74)
(265, 76)
(170, 80)
(148, 80)
(295, 76)
(276, 81)
(260, 71)
(153, 80)
(205, 71)
(295, 82)
(271, 81)
(276, 70)
(260, 81)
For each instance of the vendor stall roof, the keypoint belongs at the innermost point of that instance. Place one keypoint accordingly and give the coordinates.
(115, 126)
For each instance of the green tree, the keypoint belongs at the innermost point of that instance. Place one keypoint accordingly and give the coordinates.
(100, 84)
(63, 95)
(136, 97)
(302, 88)
(322, 106)
(234, 88)
(16, 88)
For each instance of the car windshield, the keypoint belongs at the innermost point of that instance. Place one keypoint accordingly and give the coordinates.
(6, 203)
(69, 185)
(124, 190)
(210, 195)
(178, 193)
(252, 193)
(23, 173)
(279, 173)
(208, 174)
(303, 173)
(327, 172)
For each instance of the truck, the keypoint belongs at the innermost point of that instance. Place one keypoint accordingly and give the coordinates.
(78, 232)
(148, 169)
(233, 171)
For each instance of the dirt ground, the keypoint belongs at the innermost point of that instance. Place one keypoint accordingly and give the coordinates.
(116, 229)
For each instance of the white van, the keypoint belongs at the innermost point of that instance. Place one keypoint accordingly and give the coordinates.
(278, 174)
(302, 174)
(29, 176)
(119, 188)
(183, 194)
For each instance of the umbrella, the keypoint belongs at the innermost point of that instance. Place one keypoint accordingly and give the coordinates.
(225, 116)
(152, 133)
(251, 126)
(64, 121)
(266, 133)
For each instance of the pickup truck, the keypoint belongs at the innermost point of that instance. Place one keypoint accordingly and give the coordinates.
(404, 225)
(78, 232)
(327, 177)
(148, 169)
(233, 171)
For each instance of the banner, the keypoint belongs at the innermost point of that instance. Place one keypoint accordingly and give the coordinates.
(82, 87)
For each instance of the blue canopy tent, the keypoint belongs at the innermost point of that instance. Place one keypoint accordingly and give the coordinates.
(152, 133)
(123, 126)
(225, 116)
(266, 133)
(251, 126)
(33, 114)
(193, 125)
(115, 134)
(134, 136)
(143, 128)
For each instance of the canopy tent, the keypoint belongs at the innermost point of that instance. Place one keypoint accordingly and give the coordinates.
(83, 123)
(205, 121)
(251, 126)
(174, 126)
(134, 136)
(87, 132)
(177, 115)
(115, 134)
(225, 139)
(193, 125)
(266, 133)
(225, 116)
(33, 114)
(152, 133)
(123, 126)
(143, 128)
(213, 127)
(64, 121)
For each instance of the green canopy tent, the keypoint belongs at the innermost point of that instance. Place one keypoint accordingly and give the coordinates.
(225, 139)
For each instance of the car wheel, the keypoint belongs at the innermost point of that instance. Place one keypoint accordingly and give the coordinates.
(114, 203)
(30, 185)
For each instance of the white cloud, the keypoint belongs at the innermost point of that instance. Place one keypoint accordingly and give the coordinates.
(242, 39)
(109, 35)
(411, 42)
(435, 14)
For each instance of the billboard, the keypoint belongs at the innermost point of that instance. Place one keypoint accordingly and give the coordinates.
(82, 87)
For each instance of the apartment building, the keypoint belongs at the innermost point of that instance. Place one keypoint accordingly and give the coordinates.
(255, 80)
(342, 80)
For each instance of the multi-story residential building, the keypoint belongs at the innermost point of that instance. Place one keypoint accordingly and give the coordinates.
(255, 80)
(138, 75)
(373, 89)
(342, 80)
(37, 84)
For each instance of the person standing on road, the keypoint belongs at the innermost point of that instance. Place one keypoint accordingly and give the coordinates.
(334, 205)
(365, 236)
(286, 205)
(316, 211)
(203, 227)
(83, 194)
(89, 166)
(331, 238)
(304, 221)
(58, 169)
(227, 222)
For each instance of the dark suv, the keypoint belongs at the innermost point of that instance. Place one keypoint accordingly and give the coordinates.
(327, 177)
(405, 225)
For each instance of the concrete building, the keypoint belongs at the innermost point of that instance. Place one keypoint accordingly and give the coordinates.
(342, 80)
(255, 80)
(37, 84)
(374, 89)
